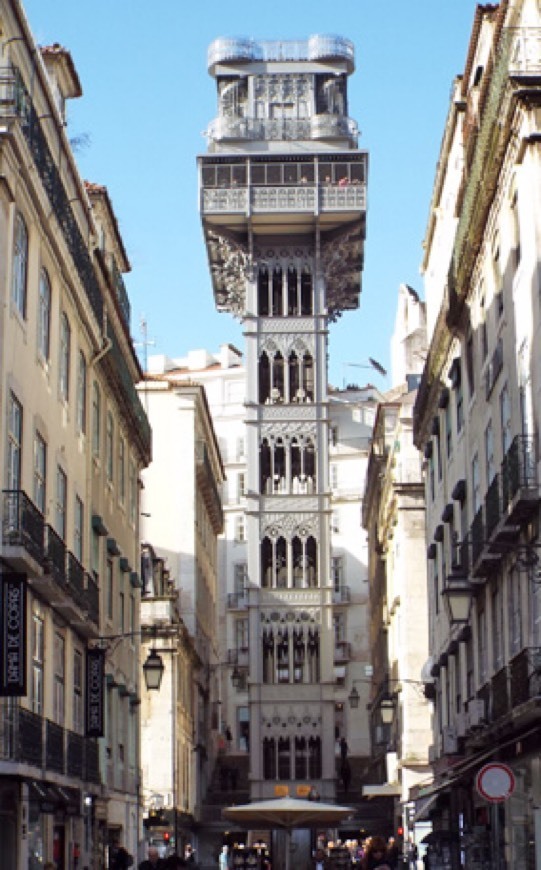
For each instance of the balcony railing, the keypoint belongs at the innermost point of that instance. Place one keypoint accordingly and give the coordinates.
(520, 488)
(75, 754)
(477, 536)
(55, 556)
(282, 198)
(76, 580)
(525, 676)
(21, 734)
(54, 752)
(22, 523)
(500, 694)
(493, 505)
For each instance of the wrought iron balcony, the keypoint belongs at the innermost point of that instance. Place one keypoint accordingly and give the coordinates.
(22, 531)
(75, 754)
(500, 694)
(120, 290)
(21, 734)
(8, 92)
(520, 487)
(525, 676)
(55, 556)
(76, 580)
(54, 747)
(493, 506)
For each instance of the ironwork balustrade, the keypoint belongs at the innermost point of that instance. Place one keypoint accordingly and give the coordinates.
(518, 469)
(75, 754)
(55, 556)
(54, 746)
(492, 505)
(76, 580)
(22, 523)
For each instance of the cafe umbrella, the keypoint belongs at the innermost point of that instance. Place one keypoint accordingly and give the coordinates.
(287, 813)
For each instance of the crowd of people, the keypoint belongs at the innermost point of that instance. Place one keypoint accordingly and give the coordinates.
(373, 853)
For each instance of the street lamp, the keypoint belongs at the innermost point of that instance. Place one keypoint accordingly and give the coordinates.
(153, 670)
(386, 710)
(458, 598)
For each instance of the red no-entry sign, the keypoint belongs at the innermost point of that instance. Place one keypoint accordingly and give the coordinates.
(495, 782)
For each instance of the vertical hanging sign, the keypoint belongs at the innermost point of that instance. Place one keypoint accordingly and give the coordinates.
(95, 679)
(12, 635)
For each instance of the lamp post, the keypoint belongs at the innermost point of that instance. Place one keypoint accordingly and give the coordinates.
(458, 595)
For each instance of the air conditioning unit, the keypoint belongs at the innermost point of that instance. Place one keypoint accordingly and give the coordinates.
(449, 740)
(476, 713)
(461, 723)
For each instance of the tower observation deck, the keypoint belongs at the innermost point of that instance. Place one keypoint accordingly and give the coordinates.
(283, 204)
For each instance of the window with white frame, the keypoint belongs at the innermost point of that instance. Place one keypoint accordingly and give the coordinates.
(64, 357)
(59, 666)
(20, 266)
(40, 472)
(109, 446)
(14, 445)
(241, 634)
(132, 483)
(240, 528)
(77, 691)
(38, 653)
(81, 393)
(109, 590)
(337, 572)
(241, 578)
(61, 501)
(78, 527)
(515, 612)
(121, 470)
(44, 315)
(96, 419)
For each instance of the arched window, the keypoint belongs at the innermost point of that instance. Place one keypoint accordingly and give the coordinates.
(264, 379)
(268, 655)
(284, 758)
(311, 563)
(266, 563)
(20, 266)
(294, 379)
(277, 292)
(269, 758)
(312, 649)
(282, 655)
(292, 292)
(44, 315)
(265, 470)
(281, 564)
(308, 377)
(278, 377)
(299, 651)
(279, 467)
(307, 304)
(263, 292)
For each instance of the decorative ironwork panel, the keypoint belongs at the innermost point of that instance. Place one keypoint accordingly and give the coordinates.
(269, 199)
(54, 752)
(92, 760)
(75, 761)
(492, 506)
(22, 523)
(55, 556)
(76, 580)
(350, 198)
(500, 694)
(224, 200)
(30, 728)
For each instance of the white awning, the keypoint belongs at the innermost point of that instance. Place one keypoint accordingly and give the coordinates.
(423, 805)
(385, 789)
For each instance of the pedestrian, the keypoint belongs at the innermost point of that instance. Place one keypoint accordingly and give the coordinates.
(344, 748)
(223, 860)
(228, 737)
(153, 862)
(189, 855)
(393, 853)
(375, 855)
(119, 857)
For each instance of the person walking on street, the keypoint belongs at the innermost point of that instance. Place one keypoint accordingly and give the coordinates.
(119, 857)
(153, 862)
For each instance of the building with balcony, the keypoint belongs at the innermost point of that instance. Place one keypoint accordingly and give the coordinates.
(283, 201)
(394, 516)
(75, 438)
(182, 516)
(477, 420)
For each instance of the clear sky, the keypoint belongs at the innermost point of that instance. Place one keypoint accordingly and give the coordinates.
(147, 98)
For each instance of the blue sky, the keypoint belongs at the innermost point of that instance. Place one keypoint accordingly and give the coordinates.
(147, 98)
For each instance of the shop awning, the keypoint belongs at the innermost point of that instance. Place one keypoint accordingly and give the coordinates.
(384, 789)
(423, 806)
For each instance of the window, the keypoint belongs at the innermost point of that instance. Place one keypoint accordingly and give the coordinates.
(109, 590)
(44, 315)
(77, 691)
(475, 484)
(15, 434)
(241, 578)
(81, 393)
(515, 614)
(40, 472)
(337, 572)
(505, 419)
(61, 501)
(240, 529)
(470, 364)
(132, 482)
(335, 522)
(339, 627)
(59, 678)
(459, 398)
(448, 430)
(241, 486)
(78, 528)
(489, 453)
(334, 476)
(38, 649)
(515, 229)
(497, 272)
(121, 470)
(64, 358)
(20, 266)
(96, 419)
(241, 634)
(109, 440)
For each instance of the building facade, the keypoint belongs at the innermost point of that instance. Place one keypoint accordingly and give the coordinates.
(182, 516)
(477, 420)
(283, 208)
(74, 438)
(394, 516)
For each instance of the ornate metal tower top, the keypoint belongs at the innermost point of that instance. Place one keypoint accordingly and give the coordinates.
(283, 160)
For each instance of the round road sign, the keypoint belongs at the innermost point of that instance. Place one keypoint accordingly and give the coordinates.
(495, 782)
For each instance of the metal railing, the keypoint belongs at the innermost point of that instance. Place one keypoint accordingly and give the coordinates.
(493, 510)
(518, 468)
(75, 754)
(76, 580)
(22, 523)
(55, 556)
(54, 746)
